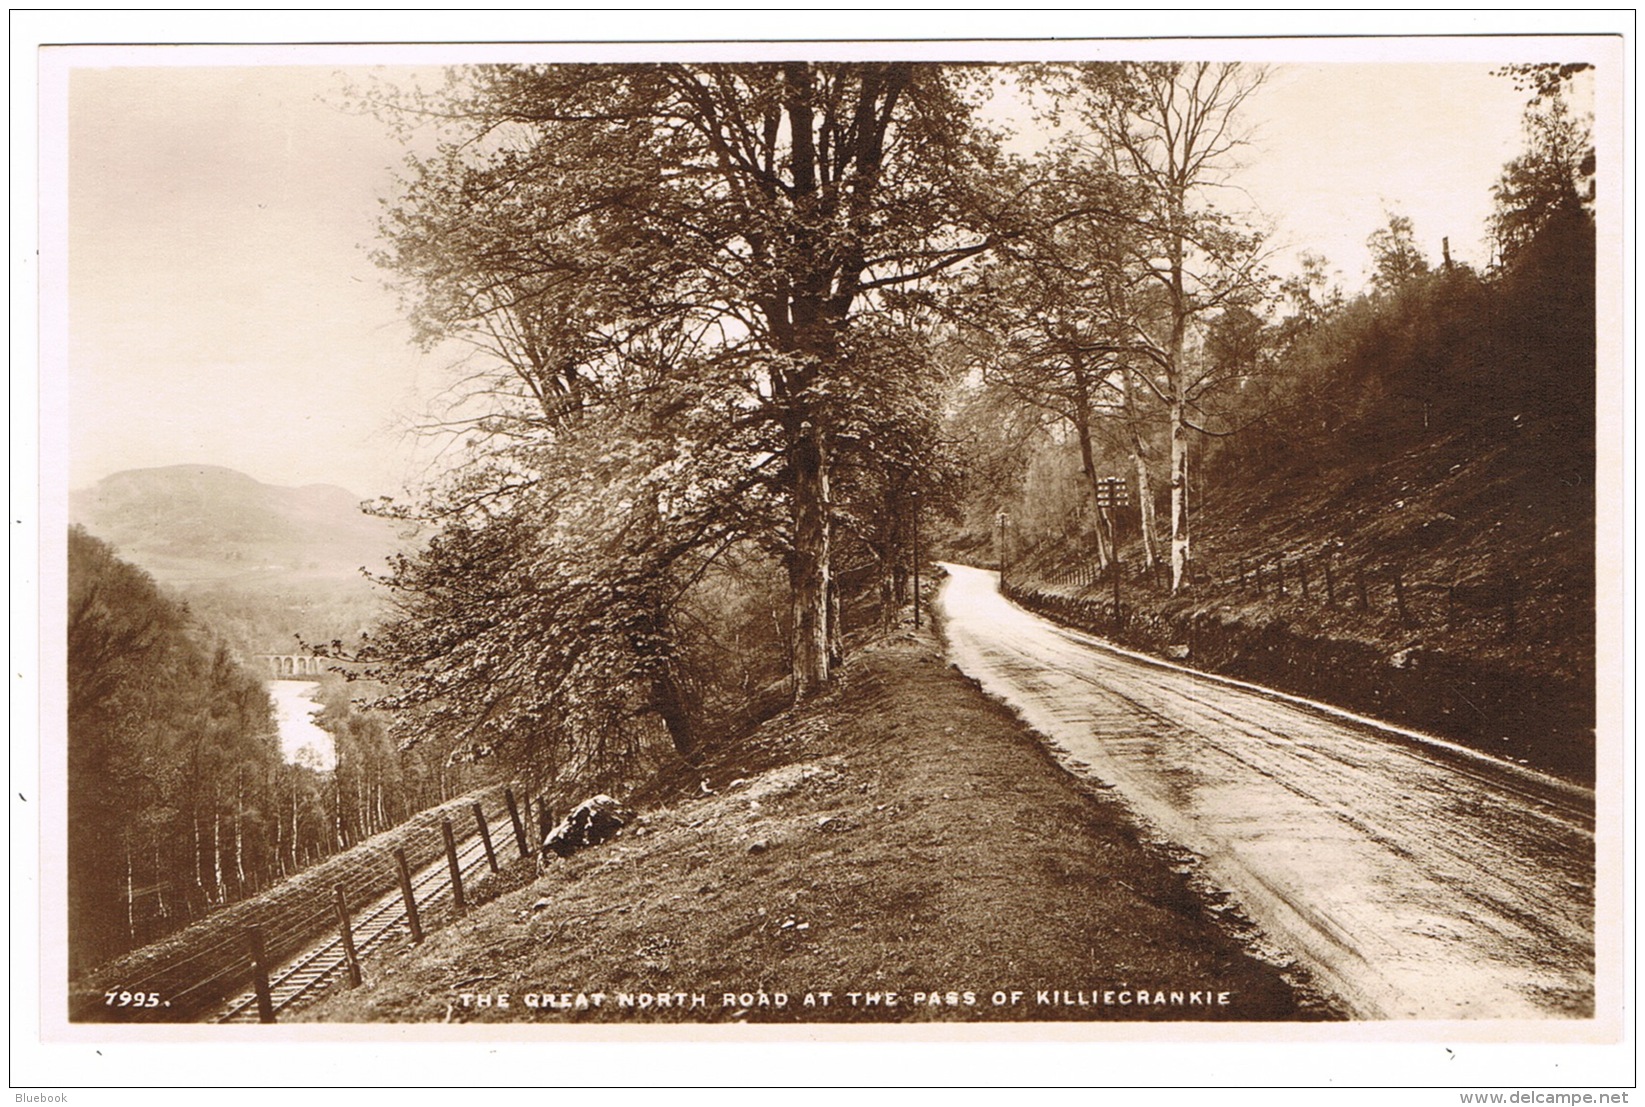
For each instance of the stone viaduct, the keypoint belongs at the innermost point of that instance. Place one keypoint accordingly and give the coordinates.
(281, 666)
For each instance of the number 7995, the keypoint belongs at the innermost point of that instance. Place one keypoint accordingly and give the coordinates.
(131, 999)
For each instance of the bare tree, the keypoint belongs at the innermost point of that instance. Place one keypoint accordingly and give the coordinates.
(1170, 129)
(1047, 312)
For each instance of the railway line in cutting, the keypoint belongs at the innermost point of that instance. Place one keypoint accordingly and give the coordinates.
(291, 931)
(306, 977)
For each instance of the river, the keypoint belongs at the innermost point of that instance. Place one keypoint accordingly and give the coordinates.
(294, 707)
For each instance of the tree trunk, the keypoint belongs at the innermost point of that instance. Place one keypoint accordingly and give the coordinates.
(1088, 461)
(217, 855)
(160, 883)
(673, 705)
(337, 828)
(199, 874)
(808, 318)
(836, 635)
(1177, 382)
(1089, 465)
(278, 868)
(1179, 486)
(131, 900)
(808, 570)
(239, 806)
(1145, 481)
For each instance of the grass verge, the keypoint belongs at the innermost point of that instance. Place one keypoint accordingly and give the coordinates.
(902, 843)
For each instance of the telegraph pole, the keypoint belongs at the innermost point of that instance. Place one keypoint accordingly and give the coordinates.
(1111, 496)
(1002, 548)
(916, 494)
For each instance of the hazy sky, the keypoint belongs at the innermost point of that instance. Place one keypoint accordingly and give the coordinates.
(223, 309)
(222, 303)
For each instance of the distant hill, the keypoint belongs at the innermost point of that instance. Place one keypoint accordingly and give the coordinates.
(206, 524)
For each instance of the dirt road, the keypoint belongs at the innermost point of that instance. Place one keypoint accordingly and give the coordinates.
(1415, 879)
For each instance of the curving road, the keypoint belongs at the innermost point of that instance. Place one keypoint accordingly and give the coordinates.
(1415, 879)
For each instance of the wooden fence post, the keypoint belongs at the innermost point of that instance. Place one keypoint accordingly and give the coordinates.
(1330, 584)
(451, 861)
(485, 837)
(351, 959)
(410, 897)
(1364, 597)
(1262, 580)
(545, 822)
(1399, 597)
(259, 973)
(514, 817)
(1279, 574)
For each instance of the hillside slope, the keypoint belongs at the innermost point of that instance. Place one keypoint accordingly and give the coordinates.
(263, 565)
(1445, 580)
(199, 523)
(902, 837)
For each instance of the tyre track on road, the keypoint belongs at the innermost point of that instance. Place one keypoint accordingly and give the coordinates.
(1418, 880)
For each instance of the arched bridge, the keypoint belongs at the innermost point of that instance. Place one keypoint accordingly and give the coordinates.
(283, 665)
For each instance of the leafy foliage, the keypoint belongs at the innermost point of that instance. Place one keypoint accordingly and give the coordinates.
(715, 309)
(1554, 177)
(690, 289)
(1395, 257)
(1125, 310)
(1319, 380)
(180, 799)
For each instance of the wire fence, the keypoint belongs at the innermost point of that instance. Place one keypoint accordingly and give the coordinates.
(1319, 578)
(191, 974)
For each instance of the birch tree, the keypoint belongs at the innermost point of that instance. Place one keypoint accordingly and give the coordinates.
(1171, 129)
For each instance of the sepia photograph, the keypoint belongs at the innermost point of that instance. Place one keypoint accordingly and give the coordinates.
(1089, 541)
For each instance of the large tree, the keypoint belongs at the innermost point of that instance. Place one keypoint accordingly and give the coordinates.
(1554, 177)
(1171, 130)
(1053, 317)
(1544, 228)
(754, 212)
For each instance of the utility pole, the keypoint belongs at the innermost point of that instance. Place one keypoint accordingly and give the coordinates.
(1111, 496)
(1002, 548)
(916, 494)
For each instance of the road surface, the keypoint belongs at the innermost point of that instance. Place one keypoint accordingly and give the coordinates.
(1415, 880)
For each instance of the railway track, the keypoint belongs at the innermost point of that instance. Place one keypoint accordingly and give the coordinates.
(306, 977)
(190, 976)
